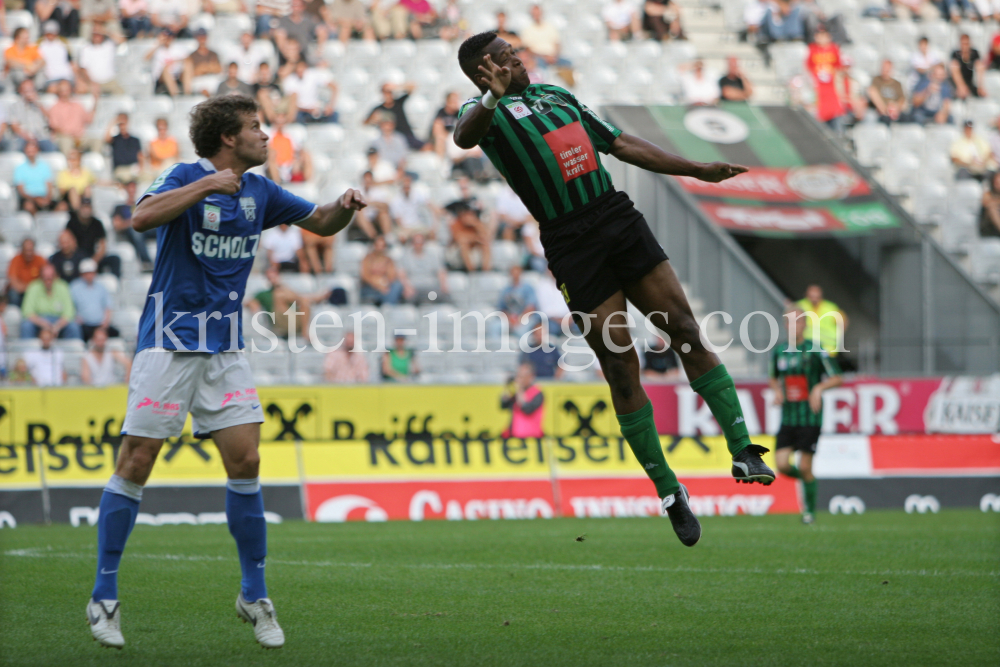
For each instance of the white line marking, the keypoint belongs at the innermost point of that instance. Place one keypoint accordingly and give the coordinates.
(680, 569)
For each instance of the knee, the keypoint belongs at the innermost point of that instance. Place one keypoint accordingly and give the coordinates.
(686, 330)
(246, 466)
(620, 374)
(137, 461)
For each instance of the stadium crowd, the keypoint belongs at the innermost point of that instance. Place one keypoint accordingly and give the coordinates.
(96, 95)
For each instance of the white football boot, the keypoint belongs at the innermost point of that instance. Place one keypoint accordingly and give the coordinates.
(105, 619)
(265, 622)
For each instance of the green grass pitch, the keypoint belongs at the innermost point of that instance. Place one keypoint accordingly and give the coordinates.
(885, 588)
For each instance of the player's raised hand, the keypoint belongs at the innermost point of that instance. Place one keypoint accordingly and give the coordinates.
(495, 77)
(715, 172)
(224, 182)
(352, 200)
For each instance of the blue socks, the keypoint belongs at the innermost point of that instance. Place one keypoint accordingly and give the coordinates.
(119, 508)
(245, 512)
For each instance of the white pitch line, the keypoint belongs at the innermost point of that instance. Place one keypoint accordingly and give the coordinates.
(680, 569)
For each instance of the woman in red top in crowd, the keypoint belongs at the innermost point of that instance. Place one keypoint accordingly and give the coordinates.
(825, 66)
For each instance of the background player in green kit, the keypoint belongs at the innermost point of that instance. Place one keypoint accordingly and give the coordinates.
(796, 370)
(600, 249)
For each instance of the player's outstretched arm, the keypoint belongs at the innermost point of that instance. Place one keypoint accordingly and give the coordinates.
(330, 218)
(645, 155)
(159, 209)
(475, 123)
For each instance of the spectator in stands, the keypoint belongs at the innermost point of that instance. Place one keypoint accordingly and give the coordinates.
(135, 18)
(95, 66)
(20, 375)
(69, 120)
(94, 13)
(3, 338)
(24, 268)
(163, 150)
(734, 85)
(422, 272)
(451, 23)
(34, 182)
(121, 220)
(504, 32)
(412, 211)
(203, 61)
(277, 299)
(923, 61)
(526, 404)
(45, 365)
(621, 17)
(99, 363)
(268, 14)
(517, 300)
(319, 252)
(287, 160)
(552, 303)
(399, 364)
(542, 39)
(347, 364)
(74, 182)
(284, 248)
(390, 144)
(268, 93)
(63, 13)
(700, 88)
(531, 236)
(248, 56)
(827, 70)
(48, 306)
(389, 20)
(173, 15)
(993, 57)
(932, 98)
(232, 85)
(662, 19)
(989, 220)
(299, 25)
(167, 63)
(966, 68)
(510, 214)
(542, 355)
(828, 323)
(396, 108)
(661, 363)
(914, 9)
(28, 119)
(305, 83)
(468, 231)
(994, 138)
(971, 155)
(420, 14)
(56, 56)
(443, 126)
(224, 7)
(886, 95)
(66, 260)
(783, 22)
(127, 159)
(350, 17)
(380, 282)
(21, 60)
(92, 239)
(92, 302)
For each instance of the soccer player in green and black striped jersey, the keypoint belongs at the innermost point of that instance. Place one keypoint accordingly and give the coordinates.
(800, 371)
(600, 249)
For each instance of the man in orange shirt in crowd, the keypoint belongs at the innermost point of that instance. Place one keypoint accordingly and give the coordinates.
(23, 268)
(22, 60)
(287, 161)
(825, 66)
(163, 150)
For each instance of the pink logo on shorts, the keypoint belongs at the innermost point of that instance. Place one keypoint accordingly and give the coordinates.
(239, 396)
(159, 407)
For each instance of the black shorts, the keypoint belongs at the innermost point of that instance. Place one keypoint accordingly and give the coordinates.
(599, 249)
(799, 438)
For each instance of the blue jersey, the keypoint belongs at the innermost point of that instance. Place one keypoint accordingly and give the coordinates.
(203, 259)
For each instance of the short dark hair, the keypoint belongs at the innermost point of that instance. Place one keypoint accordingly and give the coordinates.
(473, 47)
(218, 117)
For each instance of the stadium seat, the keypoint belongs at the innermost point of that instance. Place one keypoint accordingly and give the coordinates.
(17, 227)
(49, 224)
(8, 199)
(908, 137)
(301, 283)
(505, 254)
(930, 203)
(901, 172)
(991, 81)
(22, 19)
(871, 143)
(8, 163)
(984, 257)
(110, 282)
(136, 290)
(789, 60)
(487, 285)
(349, 256)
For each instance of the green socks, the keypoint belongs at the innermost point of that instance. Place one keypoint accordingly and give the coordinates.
(794, 472)
(810, 489)
(718, 390)
(639, 430)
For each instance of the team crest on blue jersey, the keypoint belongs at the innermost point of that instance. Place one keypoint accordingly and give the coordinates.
(249, 207)
(212, 216)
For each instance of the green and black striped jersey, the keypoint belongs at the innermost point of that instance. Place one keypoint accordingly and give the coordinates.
(545, 143)
(800, 371)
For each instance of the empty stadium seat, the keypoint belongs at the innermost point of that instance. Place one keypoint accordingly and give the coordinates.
(49, 224)
(17, 227)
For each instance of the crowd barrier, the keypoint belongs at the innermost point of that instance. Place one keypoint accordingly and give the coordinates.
(337, 453)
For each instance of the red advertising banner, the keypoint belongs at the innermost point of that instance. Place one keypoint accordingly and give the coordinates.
(798, 184)
(920, 454)
(772, 218)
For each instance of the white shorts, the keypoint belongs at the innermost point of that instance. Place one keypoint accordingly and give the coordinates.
(217, 389)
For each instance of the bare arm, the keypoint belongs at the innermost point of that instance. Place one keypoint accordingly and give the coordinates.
(162, 208)
(330, 218)
(474, 124)
(648, 156)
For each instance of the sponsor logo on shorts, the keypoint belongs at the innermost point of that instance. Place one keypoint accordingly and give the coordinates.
(240, 396)
(159, 407)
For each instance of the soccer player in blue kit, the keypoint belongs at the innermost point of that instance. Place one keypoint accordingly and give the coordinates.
(208, 217)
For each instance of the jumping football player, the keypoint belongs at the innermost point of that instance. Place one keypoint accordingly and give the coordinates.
(796, 375)
(208, 217)
(601, 250)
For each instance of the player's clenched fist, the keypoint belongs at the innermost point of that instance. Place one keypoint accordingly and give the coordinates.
(353, 200)
(224, 182)
(720, 171)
